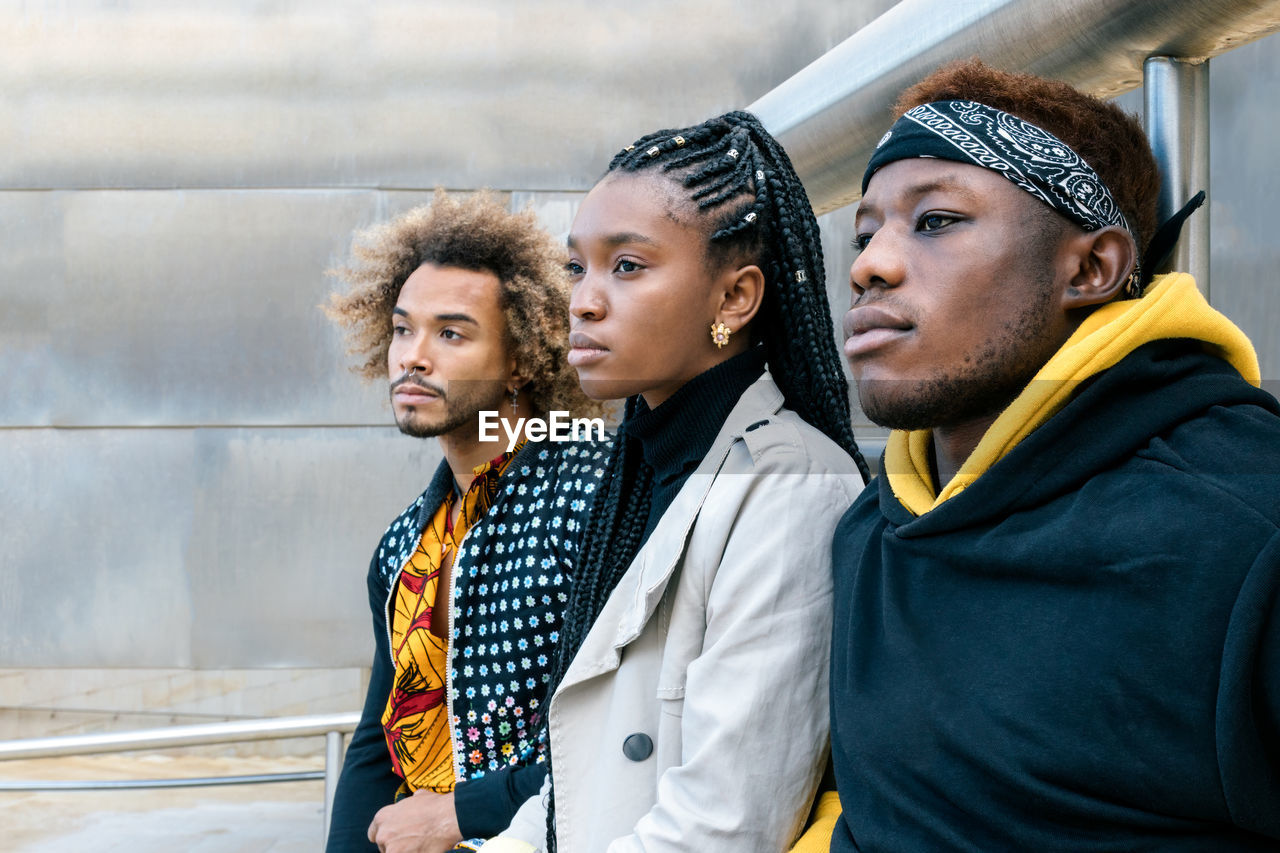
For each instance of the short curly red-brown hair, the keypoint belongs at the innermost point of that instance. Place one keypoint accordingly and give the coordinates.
(1109, 139)
(473, 233)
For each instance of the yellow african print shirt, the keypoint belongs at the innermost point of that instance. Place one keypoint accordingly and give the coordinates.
(415, 721)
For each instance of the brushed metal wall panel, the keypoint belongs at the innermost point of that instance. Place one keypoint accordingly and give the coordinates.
(92, 547)
(180, 307)
(286, 523)
(555, 210)
(31, 283)
(388, 94)
(196, 547)
(1245, 182)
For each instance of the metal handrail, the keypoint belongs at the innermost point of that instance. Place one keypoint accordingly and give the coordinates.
(332, 726)
(175, 782)
(231, 731)
(830, 114)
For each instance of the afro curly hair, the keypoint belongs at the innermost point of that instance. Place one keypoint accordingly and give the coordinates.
(1109, 139)
(473, 233)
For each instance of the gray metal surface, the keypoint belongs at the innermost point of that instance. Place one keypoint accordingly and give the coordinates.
(1177, 123)
(393, 94)
(180, 307)
(201, 548)
(1243, 182)
(830, 115)
(1245, 254)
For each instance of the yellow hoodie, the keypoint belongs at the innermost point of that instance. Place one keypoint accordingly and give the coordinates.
(1171, 307)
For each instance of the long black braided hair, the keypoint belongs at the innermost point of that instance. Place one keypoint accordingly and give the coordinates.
(757, 210)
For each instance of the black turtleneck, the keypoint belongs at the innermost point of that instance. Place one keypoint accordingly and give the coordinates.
(675, 436)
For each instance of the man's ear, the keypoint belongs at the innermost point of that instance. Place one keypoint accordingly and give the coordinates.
(1099, 266)
(741, 293)
(515, 379)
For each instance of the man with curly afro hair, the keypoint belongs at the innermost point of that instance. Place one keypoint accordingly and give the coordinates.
(1057, 622)
(463, 308)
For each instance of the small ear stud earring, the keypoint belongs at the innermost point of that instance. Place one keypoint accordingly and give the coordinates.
(720, 334)
(1133, 284)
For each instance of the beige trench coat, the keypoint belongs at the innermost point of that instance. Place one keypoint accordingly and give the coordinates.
(695, 715)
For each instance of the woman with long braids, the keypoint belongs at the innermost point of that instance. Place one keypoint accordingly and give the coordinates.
(689, 699)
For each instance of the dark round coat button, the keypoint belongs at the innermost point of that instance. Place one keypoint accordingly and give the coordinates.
(638, 746)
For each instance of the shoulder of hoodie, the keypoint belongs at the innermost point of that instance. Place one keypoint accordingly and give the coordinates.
(1229, 452)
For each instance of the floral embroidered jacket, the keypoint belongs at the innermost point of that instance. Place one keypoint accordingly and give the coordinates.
(510, 585)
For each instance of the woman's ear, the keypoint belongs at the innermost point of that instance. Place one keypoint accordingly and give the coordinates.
(741, 292)
(1099, 265)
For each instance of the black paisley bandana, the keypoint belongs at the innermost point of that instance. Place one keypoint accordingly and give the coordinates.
(1030, 156)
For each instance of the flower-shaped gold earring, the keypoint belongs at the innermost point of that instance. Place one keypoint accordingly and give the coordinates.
(720, 334)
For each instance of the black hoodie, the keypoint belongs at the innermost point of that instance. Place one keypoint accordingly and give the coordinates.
(1081, 650)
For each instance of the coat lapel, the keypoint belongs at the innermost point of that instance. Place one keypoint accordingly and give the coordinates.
(637, 594)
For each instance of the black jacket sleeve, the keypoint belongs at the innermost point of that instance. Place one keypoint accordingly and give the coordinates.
(484, 807)
(367, 782)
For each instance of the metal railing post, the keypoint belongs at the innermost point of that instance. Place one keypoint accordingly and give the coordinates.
(1176, 94)
(332, 767)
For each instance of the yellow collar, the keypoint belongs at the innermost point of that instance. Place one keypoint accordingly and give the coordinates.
(1171, 307)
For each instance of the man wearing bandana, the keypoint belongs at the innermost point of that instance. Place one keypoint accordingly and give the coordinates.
(1057, 619)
